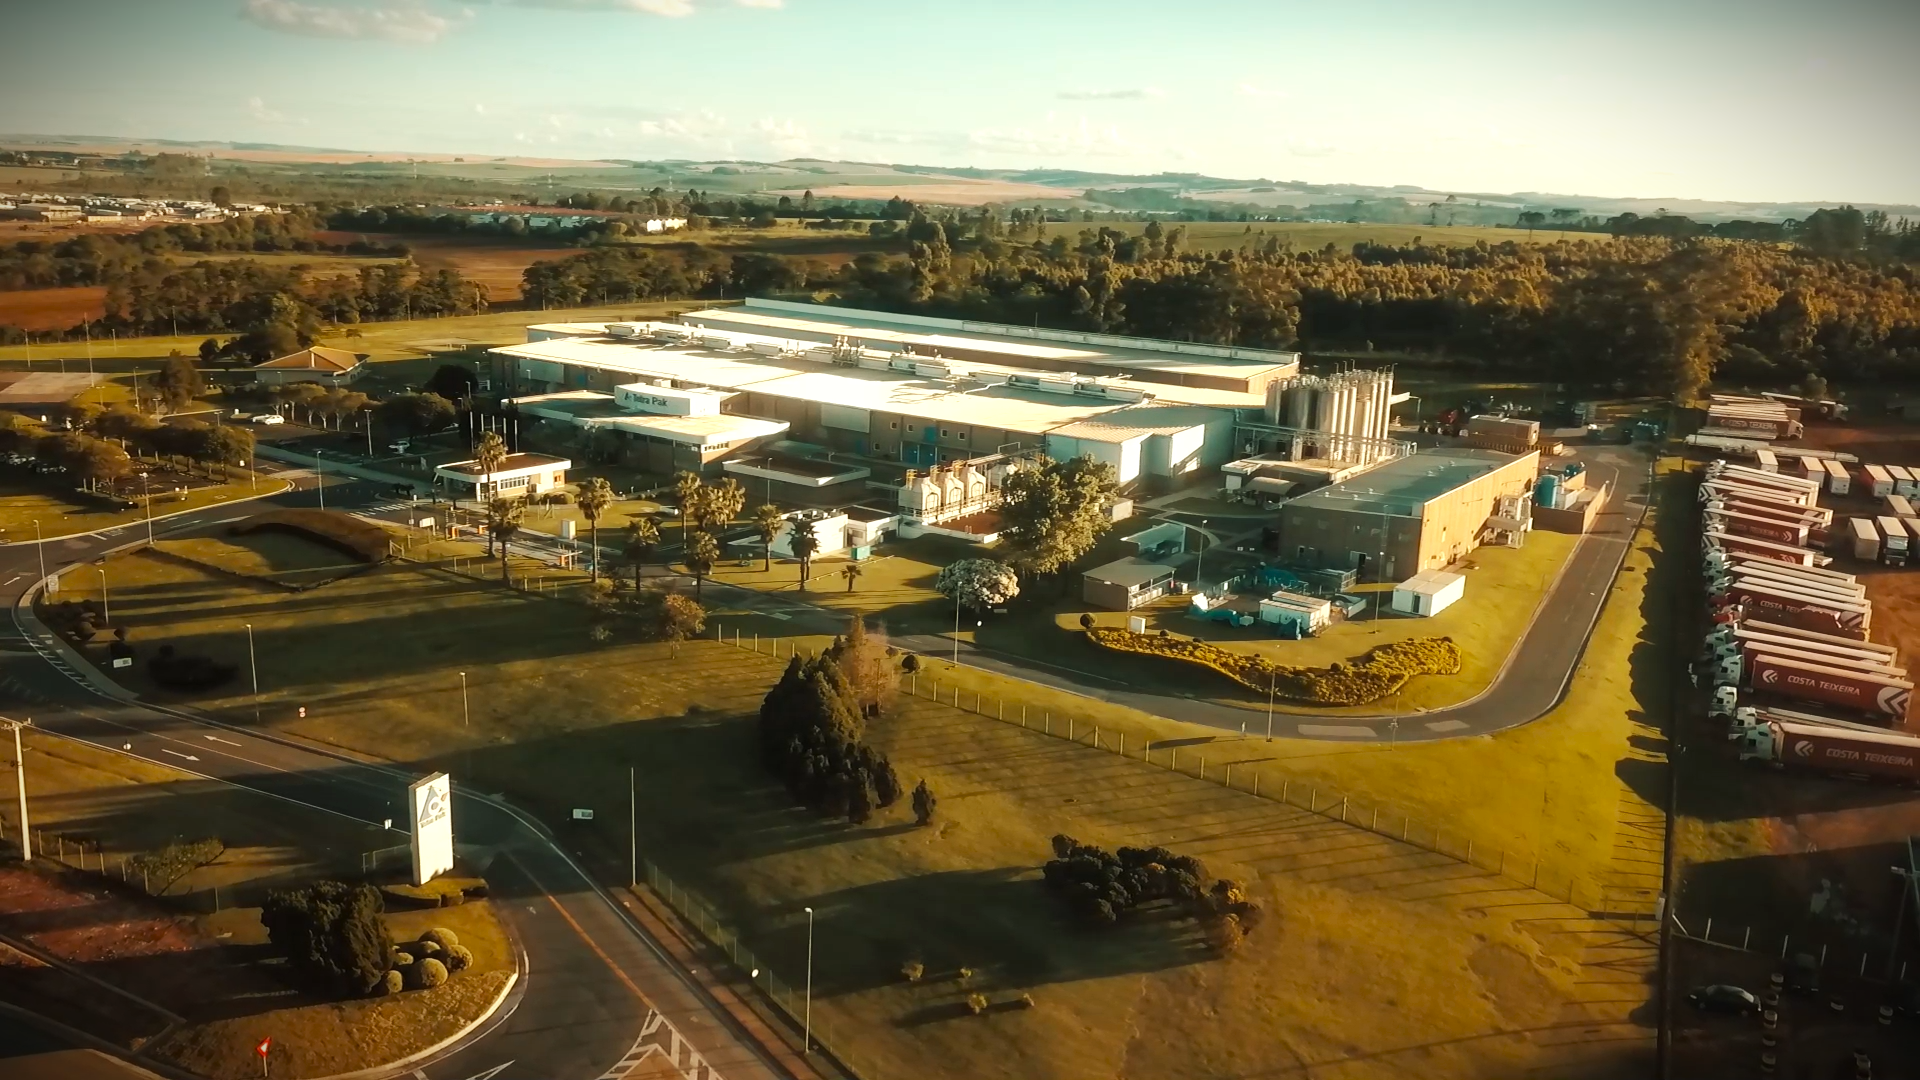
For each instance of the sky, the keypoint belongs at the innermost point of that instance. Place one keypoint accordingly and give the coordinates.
(1742, 100)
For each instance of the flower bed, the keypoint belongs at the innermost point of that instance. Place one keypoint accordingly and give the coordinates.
(1384, 670)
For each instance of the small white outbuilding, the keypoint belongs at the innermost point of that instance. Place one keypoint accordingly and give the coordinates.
(1428, 592)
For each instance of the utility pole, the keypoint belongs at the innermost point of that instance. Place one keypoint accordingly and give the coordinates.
(807, 1025)
(20, 779)
(633, 837)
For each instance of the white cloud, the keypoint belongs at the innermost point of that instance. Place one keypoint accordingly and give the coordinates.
(698, 128)
(479, 108)
(767, 4)
(402, 22)
(1125, 93)
(257, 108)
(672, 9)
(1084, 139)
(785, 137)
(1252, 90)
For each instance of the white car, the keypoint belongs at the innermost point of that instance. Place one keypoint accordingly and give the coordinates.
(270, 418)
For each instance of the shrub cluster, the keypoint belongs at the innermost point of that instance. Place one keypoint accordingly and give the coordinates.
(1100, 887)
(160, 869)
(331, 933)
(180, 672)
(349, 535)
(1384, 670)
(810, 728)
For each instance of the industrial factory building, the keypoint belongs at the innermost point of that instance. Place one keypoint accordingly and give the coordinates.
(925, 393)
(1411, 514)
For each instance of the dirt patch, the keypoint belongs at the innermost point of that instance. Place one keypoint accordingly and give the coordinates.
(52, 309)
(1514, 984)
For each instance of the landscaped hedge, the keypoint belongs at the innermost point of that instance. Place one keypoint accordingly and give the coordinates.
(344, 533)
(1385, 670)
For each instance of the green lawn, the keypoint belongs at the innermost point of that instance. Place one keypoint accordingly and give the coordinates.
(895, 587)
(85, 797)
(1420, 965)
(68, 513)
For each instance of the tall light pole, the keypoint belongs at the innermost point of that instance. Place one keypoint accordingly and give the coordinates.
(253, 666)
(807, 1025)
(633, 837)
(20, 779)
(40, 548)
(466, 718)
(1201, 561)
(320, 479)
(956, 626)
(106, 606)
(1271, 679)
(147, 498)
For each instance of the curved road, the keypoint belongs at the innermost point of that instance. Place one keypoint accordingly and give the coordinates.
(599, 998)
(1531, 682)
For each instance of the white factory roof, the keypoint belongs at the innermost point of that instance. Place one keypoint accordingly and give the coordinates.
(589, 408)
(928, 335)
(590, 344)
(1135, 421)
(962, 402)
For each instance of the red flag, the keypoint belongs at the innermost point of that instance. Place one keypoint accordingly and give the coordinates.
(265, 1044)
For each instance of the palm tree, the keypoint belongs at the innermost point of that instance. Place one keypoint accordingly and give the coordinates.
(503, 521)
(852, 573)
(723, 503)
(489, 455)
(767, 521)
(688, 489)
(643, 535)
(702, 552)
(595, 496)
(804, 544)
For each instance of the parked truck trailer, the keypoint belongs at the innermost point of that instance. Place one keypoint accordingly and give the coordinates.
(1828, 748)
(1715, 540)
(1858, 691)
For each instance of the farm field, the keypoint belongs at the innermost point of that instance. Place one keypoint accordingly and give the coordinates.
(397, 340)
(36, 310)
(1483, 977)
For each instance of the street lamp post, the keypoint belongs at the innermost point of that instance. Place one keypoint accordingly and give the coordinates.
(807, 1025)
(1393, 734)
(320, 479)
(253, 666)
(147, 497)
(1271, 678)
(40, 548)
(956, 627)
(20, 780)
(106, 605)
(1200, 561)
(466, 718)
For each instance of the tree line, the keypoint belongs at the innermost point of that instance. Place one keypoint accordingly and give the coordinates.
(1648, 311)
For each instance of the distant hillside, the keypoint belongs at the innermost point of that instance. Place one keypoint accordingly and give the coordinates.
(341, 174)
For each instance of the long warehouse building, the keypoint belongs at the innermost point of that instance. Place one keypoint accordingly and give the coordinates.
(687, 395)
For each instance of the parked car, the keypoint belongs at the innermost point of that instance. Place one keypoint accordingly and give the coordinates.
(269, 418)
(1722, 998)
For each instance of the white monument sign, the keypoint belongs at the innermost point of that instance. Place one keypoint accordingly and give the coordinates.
(432, 803)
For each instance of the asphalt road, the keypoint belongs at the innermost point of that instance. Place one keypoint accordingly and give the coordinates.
(598, 999)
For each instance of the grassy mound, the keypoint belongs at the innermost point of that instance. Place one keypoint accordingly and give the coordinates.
(344, 533)
(1383, 671)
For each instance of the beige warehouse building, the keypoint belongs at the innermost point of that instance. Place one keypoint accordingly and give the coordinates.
(1416, 513)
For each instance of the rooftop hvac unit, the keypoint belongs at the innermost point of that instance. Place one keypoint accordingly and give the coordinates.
(715, 341)
(820, 354)
(624, 329)
(932, 370)
(766, 348)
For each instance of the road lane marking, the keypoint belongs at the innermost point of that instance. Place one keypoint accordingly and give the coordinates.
(216, 738)
(1337, 731)
(1446, 725)
(178, 754)
(592, 944)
